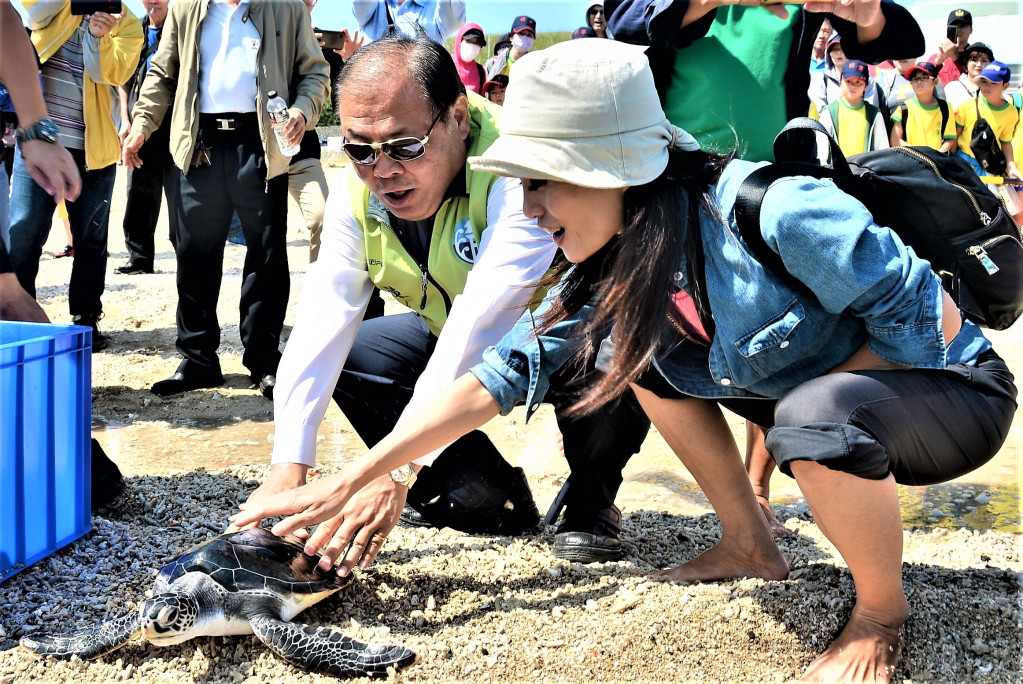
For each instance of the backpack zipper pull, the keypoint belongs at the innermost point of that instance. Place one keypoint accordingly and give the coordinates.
(982, 256)
(984, 218)
(422, 303)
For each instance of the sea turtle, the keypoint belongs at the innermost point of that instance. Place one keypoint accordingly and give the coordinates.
(249, 582)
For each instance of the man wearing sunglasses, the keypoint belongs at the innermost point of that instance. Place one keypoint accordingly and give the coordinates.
(451, 245)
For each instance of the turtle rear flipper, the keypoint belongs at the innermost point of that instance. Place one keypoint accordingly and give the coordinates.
(321, 649)
(90, 642)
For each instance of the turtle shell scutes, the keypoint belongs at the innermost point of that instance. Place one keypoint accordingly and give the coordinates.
(256, 559)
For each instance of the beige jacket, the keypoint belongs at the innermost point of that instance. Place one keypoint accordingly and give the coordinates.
(289, 61)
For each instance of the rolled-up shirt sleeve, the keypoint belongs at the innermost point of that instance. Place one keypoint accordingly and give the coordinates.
(829, 241)
(514, 253)
(333, 302)
(519, 367)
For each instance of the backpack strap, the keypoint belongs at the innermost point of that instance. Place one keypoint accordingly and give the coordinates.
(871, 113)
(748, 202)
(904, 110)
(833, 111)
(750, 196)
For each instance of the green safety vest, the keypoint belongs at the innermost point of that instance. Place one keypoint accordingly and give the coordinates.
(454, 243)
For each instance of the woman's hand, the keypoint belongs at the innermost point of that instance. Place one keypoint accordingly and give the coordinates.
(307, 505)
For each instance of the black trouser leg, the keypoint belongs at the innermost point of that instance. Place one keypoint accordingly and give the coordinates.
(376, 384)
(235, 180)
(597, 445)
(145, 185)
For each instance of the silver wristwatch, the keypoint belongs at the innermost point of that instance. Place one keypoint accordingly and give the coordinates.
(405, 475)
(44, 130)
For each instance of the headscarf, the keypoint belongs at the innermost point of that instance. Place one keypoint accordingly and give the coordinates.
(469, 72)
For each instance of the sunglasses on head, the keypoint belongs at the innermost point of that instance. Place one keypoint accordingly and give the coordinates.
(399, 149)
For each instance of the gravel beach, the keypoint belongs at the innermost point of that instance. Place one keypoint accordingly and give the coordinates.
(478, 608)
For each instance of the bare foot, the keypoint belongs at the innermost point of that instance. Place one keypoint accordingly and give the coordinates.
(731, 561)
(778, 530)
(867, 650)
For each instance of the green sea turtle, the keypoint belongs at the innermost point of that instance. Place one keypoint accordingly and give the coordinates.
(249, 582)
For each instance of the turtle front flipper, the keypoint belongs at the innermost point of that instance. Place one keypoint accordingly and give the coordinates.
(90, 642)
(321, 649)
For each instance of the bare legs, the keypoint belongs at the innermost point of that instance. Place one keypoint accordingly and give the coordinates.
(698, 434)
(862, 519)
(760, 466)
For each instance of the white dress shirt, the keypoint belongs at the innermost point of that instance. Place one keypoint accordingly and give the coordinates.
(513, 254)
(228, 48)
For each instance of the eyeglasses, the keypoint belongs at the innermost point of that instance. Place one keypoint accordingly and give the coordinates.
(920, 79)
(400, 149)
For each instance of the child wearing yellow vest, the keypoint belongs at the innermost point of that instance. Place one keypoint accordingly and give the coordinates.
(856, 125)
(991, 105)
(924, 120)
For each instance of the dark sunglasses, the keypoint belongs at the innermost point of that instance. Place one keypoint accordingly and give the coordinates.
(399, 149)
(596, 10)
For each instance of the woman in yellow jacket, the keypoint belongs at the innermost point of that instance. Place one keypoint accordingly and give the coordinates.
(83, 59)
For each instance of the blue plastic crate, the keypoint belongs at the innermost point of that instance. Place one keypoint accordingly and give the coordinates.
(45, 455)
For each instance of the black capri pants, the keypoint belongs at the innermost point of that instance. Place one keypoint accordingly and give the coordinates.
(922, 426)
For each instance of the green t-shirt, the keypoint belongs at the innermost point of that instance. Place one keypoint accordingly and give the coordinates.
(731, 83)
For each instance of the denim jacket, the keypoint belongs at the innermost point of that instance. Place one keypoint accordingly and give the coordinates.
(868, 288)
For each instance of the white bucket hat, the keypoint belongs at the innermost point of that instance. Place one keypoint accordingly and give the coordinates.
(583, 112)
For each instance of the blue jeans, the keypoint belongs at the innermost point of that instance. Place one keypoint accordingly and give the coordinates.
(32, 216)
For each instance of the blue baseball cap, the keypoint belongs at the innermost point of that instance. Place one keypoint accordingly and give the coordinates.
(584, 32)
(996, 72)
(854, 68)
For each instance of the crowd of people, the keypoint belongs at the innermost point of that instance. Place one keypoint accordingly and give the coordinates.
(557, 224)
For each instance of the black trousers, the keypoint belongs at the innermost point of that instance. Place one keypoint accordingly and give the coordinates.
(145, 185)
(388, 357)
(922, 426)
(234, 181)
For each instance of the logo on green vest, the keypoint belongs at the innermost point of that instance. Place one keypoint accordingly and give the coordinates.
(464, 242)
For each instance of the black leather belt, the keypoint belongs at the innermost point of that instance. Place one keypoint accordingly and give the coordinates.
(228, 121)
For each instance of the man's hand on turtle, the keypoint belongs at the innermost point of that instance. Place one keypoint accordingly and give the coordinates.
(353, 538)
(282, 477)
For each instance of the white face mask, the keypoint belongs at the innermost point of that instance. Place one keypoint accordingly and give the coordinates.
(469, 51)
(522, 43)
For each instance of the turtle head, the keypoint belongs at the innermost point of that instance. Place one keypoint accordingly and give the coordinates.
(169, 618)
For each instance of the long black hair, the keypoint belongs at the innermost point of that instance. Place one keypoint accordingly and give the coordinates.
(633, 277)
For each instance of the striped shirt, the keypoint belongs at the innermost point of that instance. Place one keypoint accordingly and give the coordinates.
(62, 89)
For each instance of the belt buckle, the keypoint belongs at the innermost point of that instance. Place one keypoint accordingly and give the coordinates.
(225, 124)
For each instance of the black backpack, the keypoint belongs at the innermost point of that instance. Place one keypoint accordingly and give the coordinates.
(984, 144)
(934, 202)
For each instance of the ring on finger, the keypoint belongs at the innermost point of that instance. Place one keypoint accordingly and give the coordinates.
(360, 545)
(378, 539)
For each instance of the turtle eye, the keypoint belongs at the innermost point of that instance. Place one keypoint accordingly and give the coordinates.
(168, 615)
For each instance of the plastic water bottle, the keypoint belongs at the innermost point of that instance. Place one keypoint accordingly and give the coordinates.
(277, 108)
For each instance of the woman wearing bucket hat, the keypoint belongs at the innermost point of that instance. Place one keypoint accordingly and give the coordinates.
(857, 397)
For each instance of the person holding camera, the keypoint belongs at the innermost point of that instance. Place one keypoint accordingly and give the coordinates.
(83, 58)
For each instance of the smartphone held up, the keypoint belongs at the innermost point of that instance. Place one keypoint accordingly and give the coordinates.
(93, 6)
